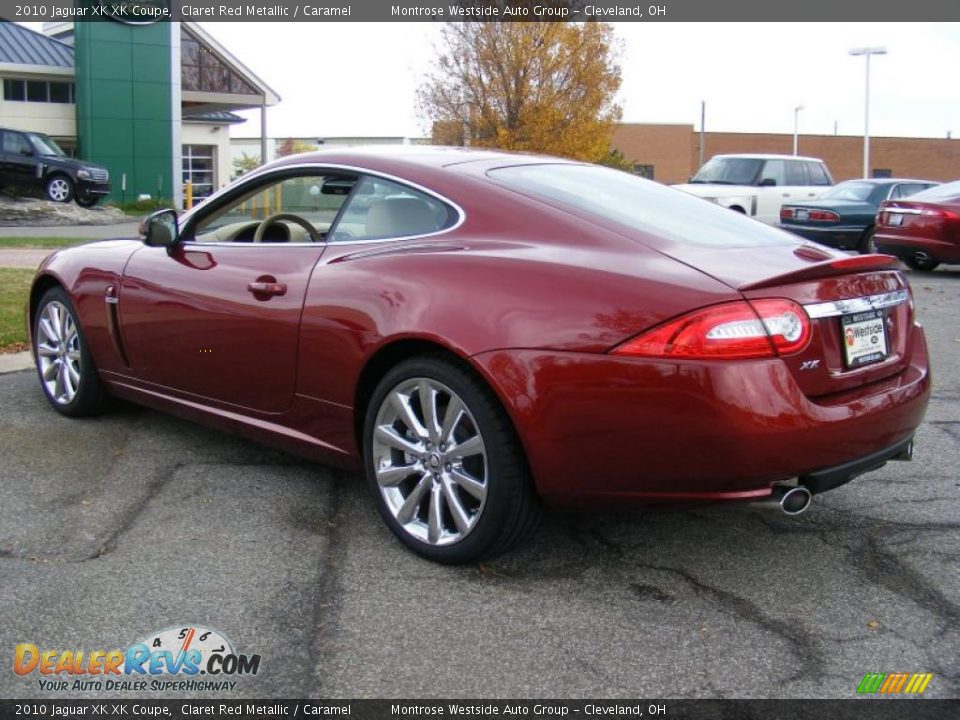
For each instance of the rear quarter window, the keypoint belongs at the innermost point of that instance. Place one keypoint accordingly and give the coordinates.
(637, 204)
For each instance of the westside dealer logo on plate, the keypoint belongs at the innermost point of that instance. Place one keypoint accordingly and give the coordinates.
(187, 658)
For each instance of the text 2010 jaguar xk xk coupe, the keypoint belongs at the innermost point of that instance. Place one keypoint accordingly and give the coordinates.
(484, 331)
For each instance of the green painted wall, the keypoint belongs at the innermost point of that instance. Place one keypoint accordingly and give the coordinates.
(124, 104)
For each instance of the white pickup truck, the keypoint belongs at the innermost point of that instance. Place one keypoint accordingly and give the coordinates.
(757, 185)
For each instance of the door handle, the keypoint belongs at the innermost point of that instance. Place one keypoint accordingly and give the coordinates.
(267, 288)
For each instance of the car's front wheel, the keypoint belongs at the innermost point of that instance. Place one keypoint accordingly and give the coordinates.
(87, 201)
(445, 465)
(67, 374)
(59, 189)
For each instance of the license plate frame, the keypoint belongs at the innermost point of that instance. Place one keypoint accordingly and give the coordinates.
(864, 338)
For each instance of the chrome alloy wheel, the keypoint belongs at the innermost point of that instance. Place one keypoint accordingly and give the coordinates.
(58, 189)
(430, 461)
(58, 352)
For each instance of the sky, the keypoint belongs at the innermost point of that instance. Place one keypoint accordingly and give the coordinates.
(359, 79)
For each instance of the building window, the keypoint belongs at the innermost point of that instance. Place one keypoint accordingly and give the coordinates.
(644, 171)
(198, 169)
(882, 173)
(45, 91)
(201, 69)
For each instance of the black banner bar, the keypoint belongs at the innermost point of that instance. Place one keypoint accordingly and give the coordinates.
(136, 12)
(855, 709)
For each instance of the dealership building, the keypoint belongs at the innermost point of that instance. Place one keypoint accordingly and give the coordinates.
(152, 103)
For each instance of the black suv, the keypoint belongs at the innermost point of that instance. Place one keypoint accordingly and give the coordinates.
(34, 160)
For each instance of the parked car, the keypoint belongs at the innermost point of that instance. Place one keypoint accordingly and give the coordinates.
(757, 185)
(924, 230)
(843, 216)
(32, 160)
(483, 331)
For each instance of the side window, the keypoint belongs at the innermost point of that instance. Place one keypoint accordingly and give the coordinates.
(383, 209)
(907, 189)
(774, 170)
(818, 176)
(313, 199)
(15, 143)
(797, 173)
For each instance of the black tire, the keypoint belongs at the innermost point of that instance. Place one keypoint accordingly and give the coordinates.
(510, 512)
(922, 265)
(867, 244)
(59, 188)
(89, 397)
(87, 201)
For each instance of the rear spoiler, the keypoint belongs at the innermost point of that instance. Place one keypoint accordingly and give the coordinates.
(841, 266)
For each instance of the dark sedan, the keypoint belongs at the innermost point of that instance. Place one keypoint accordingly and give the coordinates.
(843, 216)
(483, 331)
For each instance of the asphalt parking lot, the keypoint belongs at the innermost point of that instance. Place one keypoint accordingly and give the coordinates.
(116, 527)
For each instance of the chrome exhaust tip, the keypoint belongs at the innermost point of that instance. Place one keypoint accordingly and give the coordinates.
(795, 500)
(788, 500)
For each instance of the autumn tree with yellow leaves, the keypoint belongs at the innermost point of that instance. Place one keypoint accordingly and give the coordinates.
(545, 87)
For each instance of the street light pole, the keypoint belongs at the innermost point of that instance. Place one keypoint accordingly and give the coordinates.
(867, 52)
(796, 126)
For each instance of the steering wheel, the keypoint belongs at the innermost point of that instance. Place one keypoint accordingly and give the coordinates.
(289, 217)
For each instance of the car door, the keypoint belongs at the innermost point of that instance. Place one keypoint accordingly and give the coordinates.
(770, 193)
(20, 165)
(218, 316)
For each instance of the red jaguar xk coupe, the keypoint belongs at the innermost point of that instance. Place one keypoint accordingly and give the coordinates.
(484, 331)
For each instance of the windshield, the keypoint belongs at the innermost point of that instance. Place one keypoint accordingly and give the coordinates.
(850, 191)
(45, 145)
(729, 171)
(638, 204)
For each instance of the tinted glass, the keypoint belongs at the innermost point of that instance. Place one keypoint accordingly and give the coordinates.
(774, 170)
(852, 190)
(729, 171)
(14, 142)
(797, 173)
(14, 90)
(44, 145)
(59, 92)
(36, 91)
(907, 189)
(382, 209)
(638, 204)
(818, 176)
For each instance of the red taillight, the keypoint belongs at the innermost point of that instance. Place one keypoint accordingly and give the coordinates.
(736, 331)
(823, 215)
(939, 213)
(786, 213)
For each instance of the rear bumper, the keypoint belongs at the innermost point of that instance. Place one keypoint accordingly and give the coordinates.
(843, 238)
(940, 250)
(600, 430)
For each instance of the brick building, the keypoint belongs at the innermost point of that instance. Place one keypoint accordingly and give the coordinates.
(669, 153)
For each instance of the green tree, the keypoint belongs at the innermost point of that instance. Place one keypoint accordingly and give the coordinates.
(293, 147)
(245, 163)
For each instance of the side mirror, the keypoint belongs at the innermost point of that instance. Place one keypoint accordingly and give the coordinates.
(768, 182)
(160, 229)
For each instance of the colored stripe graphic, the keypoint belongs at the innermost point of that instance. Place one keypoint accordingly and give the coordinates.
(894, 683)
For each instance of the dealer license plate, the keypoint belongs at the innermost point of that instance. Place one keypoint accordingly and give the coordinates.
(895, 219)
(864, 338)
(803, 214)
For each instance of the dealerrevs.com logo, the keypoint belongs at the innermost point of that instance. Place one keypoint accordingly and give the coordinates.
(188, 658)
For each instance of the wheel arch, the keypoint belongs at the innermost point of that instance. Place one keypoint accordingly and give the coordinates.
(41, 284)
(401, 349)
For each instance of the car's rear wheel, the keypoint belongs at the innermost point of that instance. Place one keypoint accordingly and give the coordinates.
(59, 189)
(867, 242)
(445, 464)
(921, 264)
(67, 374)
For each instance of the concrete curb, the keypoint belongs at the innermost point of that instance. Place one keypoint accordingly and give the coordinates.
(14, 362)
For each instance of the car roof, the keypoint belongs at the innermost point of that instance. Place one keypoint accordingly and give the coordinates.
(432, 156)
(766, 156)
